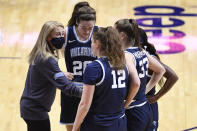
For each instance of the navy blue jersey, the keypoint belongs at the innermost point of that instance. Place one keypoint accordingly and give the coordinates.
(110, 88)
(77, 53)
(141, 63)
(40, 88)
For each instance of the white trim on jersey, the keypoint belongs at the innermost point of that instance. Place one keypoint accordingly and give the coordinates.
(132, 55)
(133, 48)
(139, 105)
(149, 75)
(66, 39)
(103, 72)
(78, 38)
(122, 116)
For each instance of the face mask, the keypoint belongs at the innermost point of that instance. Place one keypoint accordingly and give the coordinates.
(58, 42)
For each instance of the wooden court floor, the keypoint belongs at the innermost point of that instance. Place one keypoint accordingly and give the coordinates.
(21, 21)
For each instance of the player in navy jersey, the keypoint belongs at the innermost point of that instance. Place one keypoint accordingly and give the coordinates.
(105, 86)
(170, 75)
(43, 77)
(77, 54)
(138, 113)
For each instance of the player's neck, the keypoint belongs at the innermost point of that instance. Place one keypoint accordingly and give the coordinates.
(127, 45)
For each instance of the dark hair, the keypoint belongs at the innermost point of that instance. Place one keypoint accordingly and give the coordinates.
(150, 49)
(131, 29)
(146, 45)
(82, 11)
(110, 46)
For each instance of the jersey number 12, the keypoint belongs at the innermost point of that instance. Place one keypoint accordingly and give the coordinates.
(121, 79)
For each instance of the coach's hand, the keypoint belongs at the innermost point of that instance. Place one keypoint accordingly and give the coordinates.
(69, 75)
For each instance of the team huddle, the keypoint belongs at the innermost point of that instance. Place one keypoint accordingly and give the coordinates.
(110, 80)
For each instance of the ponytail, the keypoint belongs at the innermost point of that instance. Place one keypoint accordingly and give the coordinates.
(82, 11)
(146, 45)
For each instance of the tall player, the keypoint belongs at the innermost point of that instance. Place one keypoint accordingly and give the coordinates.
(78, 54)
(105, 86)
(138, 113)
(170, 75)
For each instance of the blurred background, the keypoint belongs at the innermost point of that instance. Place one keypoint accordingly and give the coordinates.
(171, 26)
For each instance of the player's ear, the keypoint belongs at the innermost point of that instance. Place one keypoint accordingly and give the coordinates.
(98, 44)
(122, 35)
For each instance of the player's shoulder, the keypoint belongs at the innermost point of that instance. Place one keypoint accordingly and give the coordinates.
(95, 63)
(94, 68)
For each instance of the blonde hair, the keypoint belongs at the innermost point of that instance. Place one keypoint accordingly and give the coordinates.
(41, 47)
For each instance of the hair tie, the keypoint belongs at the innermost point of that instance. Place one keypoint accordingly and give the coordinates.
(130, 21)
(145, 47)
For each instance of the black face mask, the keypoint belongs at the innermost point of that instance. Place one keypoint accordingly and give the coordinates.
(58, 42)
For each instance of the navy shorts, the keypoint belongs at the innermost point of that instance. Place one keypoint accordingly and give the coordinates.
(69, 106)
(154, 125)
(119, 124)
(139, 118)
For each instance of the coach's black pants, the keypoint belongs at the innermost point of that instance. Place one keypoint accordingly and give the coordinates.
(38, 125)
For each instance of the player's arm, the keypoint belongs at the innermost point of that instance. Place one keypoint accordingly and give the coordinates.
(158, 71)
(171, 79)
(92, 75)
(133, 79)
(84, 105)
